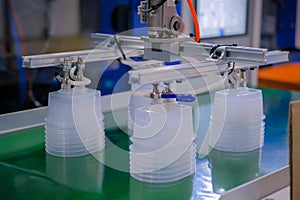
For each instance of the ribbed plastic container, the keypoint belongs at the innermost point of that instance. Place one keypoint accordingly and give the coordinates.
(74, 123)
(162, 147)
(237, 121)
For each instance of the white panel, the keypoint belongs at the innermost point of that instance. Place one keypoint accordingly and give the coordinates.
(32, 17)
(65, 18)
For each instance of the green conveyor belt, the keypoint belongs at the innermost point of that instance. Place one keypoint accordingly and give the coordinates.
(30, 173)
(21, 142)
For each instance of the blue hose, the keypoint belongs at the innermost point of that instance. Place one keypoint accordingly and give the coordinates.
(180, 97)
(19, 53)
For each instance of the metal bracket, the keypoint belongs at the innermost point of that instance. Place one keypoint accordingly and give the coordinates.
(244, 57)
(176, 72)
(57, 59)
(241, 55)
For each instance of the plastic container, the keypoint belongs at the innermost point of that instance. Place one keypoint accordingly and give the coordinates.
(237, 122)
(153, 178)
(182, 189)
(140, 161)
(74, 122)
(70, 152)
(137, 102)
(162, 147)
(185, 161)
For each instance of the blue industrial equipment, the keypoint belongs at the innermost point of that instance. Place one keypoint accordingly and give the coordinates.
(288, 24)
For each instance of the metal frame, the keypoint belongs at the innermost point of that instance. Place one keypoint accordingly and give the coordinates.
(21, 120)
(134, 46)
(57, 59)
(261, 187)
(256, 56)
(176, 72)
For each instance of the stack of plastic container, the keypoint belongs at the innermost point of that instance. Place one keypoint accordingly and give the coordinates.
(162, 147)
(237, 122)
(74, 123)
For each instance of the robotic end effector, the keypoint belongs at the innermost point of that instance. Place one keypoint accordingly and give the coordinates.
(164, 26)
(162, 18)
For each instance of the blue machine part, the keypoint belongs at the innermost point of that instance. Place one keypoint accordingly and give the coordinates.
(114, 79)
(295, 56)
(180, 97)
(287, 24)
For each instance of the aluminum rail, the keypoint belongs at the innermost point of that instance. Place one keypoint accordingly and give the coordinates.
(109, 49)
(238, 54)
(57, 59)
(234, 53)
(176, 72)
(99, 39)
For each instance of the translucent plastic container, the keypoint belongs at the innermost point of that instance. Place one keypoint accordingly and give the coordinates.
(162, 147)
(152, 165)
(71, 152)
(78, 146)
(166, 174)
(181, 189)
(136, 102)
(237, 122)
(74, 123)
(153, 178)
(157, 163)
(162, 125)
(79, 142)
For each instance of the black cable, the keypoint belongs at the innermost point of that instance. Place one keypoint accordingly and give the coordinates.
(215, 47)
(155, 7)
(212, 51)
(231, 67)
(119, 47)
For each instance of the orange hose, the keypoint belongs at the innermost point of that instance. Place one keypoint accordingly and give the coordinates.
(195, 19)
